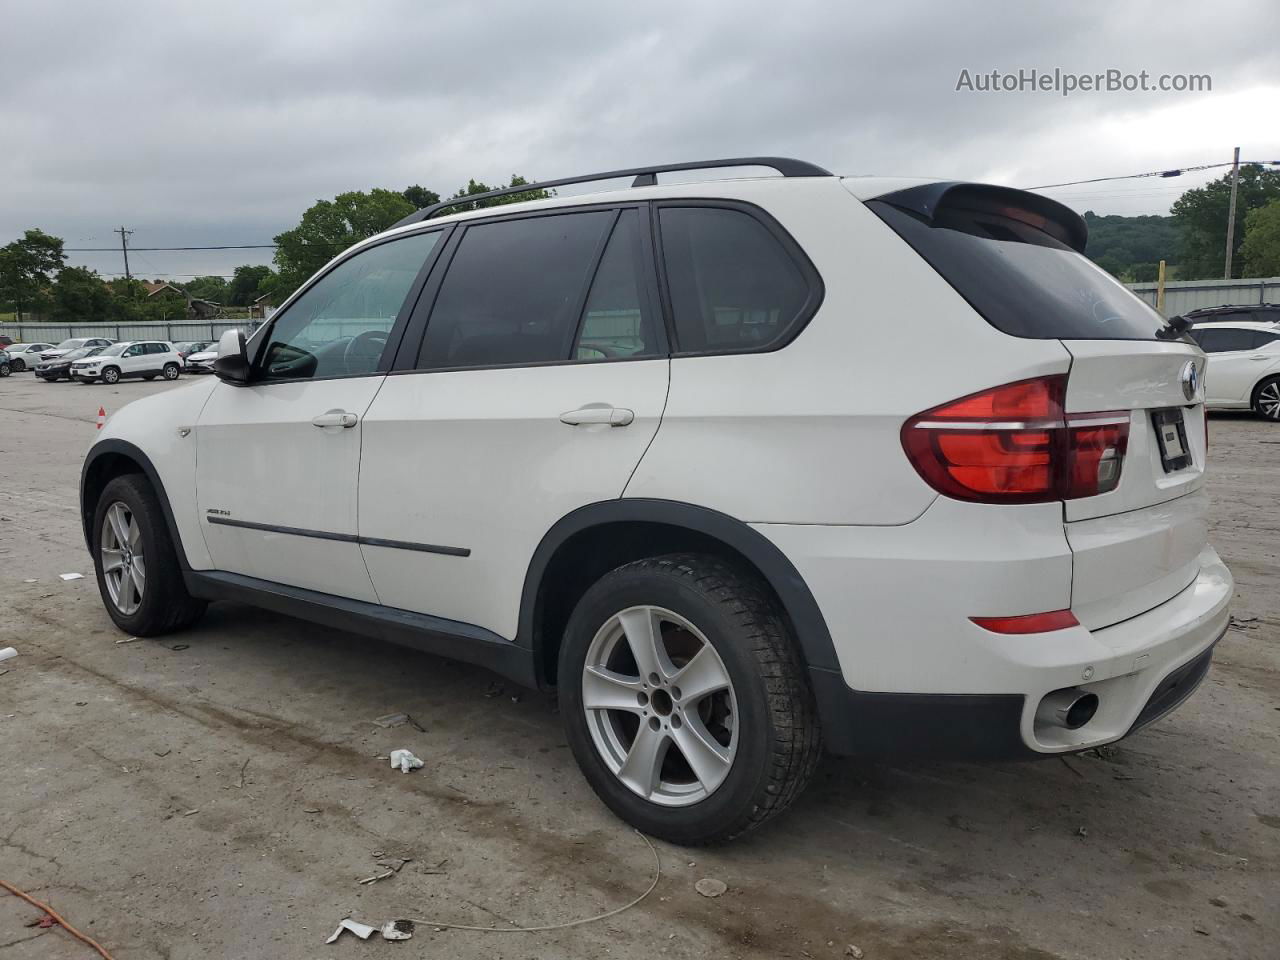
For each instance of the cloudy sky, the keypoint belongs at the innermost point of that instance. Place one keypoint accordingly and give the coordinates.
(220, 123)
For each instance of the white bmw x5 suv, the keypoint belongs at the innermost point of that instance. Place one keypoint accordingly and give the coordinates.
(739, 468)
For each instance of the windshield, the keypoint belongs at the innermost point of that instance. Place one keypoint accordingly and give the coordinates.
(82, 353)
(114, 350)
(71, 344)
(1023, 281)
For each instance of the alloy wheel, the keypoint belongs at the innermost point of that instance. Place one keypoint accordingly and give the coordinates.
(660, 706)
(1269, 400)
(110, 375)
(124, 568)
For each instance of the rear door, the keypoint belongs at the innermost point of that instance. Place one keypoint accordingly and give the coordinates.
(539, 383)
(1232, 369)
(277, 460)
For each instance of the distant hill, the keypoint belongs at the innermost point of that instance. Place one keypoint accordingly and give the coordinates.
(1131, 247)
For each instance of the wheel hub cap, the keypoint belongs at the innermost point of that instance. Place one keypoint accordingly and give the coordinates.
(660, 706)
(124, 570)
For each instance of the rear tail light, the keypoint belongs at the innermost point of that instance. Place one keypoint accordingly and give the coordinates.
(1014, 444)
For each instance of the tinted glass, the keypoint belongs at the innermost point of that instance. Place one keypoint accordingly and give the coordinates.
(733, 285)
(1222, 339)
(1261, 338)
(1020, 279)
(618, 320)
(157, 348)
(513, 291)
(114, 350)
(339, 326)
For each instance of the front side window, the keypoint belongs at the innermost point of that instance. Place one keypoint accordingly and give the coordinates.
(618, 320)
(513, 291)
(733, 285)
(340, 325)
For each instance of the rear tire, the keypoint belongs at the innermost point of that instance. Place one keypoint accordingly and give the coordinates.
(171, 371)
(754, 739)
(1266, 399)
(19, 366)
(136, 564)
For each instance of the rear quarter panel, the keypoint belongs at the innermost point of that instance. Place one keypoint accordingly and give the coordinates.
(810, 433)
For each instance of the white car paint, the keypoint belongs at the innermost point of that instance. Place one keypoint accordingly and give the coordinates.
(130, 358)
(25, 356)
(1233, 375)
(803, 443)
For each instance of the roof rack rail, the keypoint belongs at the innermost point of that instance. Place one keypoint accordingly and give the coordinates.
(644, 177)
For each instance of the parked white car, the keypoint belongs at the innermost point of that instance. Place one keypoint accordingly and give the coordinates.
(691, 456)
(1244, 366)
(147, 359)
(25, 356)
(201, 361)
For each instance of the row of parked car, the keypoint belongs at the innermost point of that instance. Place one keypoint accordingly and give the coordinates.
(89, 359)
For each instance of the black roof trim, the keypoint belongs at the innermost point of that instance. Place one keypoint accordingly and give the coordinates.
(927, 199)
(644, 177)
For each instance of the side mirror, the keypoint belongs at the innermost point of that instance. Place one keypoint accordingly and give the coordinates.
(232, 364)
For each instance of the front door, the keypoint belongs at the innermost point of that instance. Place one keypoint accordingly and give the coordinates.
(540, 382)
(277, 461)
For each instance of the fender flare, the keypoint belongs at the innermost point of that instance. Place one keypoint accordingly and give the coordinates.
(811, 630)
(128, 450)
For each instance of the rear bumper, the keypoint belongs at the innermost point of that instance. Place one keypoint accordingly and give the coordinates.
(916, 677)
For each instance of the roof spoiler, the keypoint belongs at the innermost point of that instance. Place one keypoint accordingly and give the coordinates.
(1056, 219)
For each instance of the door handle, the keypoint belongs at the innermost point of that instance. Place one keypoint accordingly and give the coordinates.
(598, 413)
(335, 418)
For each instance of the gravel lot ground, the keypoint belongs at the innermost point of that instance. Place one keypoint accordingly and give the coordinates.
(216, 794)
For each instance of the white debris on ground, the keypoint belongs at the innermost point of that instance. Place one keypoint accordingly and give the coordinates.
(404, 761)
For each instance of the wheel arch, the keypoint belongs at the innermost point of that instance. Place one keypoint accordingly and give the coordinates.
(1256, 392)
(111, 458)
(590, 541)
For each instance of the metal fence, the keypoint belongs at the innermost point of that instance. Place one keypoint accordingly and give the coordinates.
(1181, 296)
(174, 332)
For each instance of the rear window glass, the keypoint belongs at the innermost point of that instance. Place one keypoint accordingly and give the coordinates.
(1024, 282)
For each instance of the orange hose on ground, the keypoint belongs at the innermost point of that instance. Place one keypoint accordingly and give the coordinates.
(83, 938)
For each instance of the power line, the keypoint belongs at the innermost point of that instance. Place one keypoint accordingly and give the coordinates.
(1177, 172)
(233, 246)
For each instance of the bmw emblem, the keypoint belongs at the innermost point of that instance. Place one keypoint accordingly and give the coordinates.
(1190, 380)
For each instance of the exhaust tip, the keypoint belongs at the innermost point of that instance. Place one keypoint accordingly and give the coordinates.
(1071, 708)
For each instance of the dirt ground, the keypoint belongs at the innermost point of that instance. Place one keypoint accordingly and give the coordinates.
(217, 793)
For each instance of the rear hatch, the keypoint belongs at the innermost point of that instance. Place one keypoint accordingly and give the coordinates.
(1017, 258)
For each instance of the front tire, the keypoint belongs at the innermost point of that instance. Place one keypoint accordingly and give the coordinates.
(685, 701)
(5, 369)
(1266, 399)
(136, 564)
(110, 375)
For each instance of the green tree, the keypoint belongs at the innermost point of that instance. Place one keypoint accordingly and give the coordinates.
(250, 282)
(421, 197)
(214, 289)
(1261, 247)
(1202, 216)
(474, 187)
(79, 294)
(329, 227)
(25, 268)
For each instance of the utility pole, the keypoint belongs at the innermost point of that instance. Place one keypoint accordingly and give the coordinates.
(124, 238)
(1231, 214)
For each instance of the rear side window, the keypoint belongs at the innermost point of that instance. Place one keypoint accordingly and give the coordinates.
(1023, 281)
(733, 285)
(1261, 338)
(513, 291)
(1223, 339)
